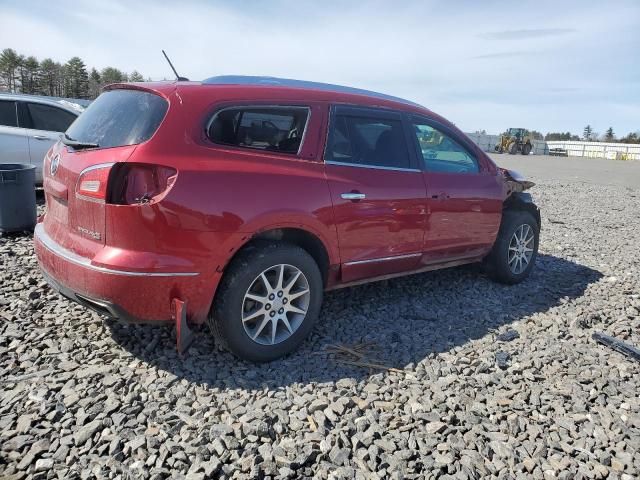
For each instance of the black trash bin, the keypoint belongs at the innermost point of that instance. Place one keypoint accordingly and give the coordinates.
(17, 197)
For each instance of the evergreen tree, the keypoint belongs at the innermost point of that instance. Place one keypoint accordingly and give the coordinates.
(587, 134)
(112, 75)
(609, 136)
(76, 83)
(60, 76)
(21, 74)
(28, 75)
(9, 63)
(95, 83)
(633, 137)
(48, 77)
(31, 75)
(136, 76)
(560, 136)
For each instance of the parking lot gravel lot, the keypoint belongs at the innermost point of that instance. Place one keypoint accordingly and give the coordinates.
(406, 378)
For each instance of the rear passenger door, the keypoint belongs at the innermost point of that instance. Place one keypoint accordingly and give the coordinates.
(44, 126)
(464, 197)
(14, 146)
(378, 194)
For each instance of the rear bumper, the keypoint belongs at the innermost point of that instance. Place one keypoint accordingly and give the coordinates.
(127, 295)
(103, 307)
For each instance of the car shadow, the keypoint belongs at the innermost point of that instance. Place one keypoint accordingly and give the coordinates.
(397, 323)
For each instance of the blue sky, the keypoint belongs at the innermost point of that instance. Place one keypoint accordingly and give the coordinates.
(544, 65)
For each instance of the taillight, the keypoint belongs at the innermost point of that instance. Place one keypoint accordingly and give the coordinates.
(92, 182)
(139, 183)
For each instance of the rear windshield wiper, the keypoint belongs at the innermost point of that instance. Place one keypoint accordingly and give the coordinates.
(76, 144)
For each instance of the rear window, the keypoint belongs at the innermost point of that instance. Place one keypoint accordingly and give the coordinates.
(119, 117)
(277, 129)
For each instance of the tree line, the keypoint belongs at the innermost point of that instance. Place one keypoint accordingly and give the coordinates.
(20, 74)
(589, 135)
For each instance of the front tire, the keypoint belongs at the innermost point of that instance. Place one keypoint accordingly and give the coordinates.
(268, 301)
(516, 248)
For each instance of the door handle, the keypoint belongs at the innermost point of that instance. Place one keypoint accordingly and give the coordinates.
(353, 196)
(40, 137)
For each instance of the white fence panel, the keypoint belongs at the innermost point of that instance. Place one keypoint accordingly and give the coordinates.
(613, 151)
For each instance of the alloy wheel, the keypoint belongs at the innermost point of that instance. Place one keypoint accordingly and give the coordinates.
(521, 249)
(276, 304)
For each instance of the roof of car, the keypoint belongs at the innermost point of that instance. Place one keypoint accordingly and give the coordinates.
(72, 104)
(303, 84)
(245, 87)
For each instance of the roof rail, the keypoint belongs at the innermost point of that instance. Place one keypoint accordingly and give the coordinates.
(288, 82)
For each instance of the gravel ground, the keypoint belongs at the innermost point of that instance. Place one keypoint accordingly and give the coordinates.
(85, 398)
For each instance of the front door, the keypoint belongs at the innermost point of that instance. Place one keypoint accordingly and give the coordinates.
(378, 194)
(464, 197)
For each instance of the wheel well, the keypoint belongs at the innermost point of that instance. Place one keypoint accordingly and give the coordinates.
(523, 201)
(296, 236)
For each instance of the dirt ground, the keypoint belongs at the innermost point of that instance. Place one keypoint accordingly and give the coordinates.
(596, 171)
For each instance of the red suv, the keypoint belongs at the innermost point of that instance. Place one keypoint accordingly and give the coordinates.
(237, 201)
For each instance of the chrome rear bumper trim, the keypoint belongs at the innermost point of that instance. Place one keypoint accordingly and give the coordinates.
(72, 257)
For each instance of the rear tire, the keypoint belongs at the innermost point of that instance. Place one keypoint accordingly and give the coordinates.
(274, 322)
(516, 248)
(513, 148)
(526, 149)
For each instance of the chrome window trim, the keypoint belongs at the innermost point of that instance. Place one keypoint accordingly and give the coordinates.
(252, 105)
(384, 259)
(72, 257)
(375, 167)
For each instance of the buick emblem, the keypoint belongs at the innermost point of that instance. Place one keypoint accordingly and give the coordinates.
(55, 162)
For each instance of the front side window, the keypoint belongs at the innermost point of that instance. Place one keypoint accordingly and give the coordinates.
(277, 129)
(8, 117)
(52, 119)
(367, 141)
(441, 153)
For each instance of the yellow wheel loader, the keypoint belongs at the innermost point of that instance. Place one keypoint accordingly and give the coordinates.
(516, 140)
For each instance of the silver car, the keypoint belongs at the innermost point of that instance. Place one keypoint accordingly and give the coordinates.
(30, 124)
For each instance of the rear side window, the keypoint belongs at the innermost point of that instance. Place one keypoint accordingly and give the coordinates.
(367, 141)
(46, 117)
(8, 117)
(277, 129)
(119, 117)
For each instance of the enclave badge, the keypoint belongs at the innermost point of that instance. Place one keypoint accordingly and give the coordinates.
(55, 162)
(90, 233)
